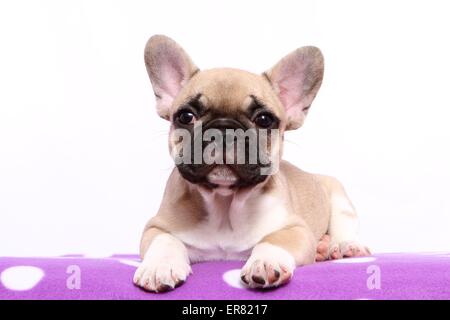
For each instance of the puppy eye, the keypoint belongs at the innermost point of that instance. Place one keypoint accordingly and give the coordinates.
(186, 117)
(264, 120)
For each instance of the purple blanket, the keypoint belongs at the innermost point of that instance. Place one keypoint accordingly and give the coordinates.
(383, 276)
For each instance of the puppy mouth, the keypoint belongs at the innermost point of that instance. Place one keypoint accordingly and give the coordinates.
(222, 176)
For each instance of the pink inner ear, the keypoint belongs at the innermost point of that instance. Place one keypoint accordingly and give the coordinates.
(171, 81)
(290, 80)
(172, 75)
(296, 78)
(290, 91)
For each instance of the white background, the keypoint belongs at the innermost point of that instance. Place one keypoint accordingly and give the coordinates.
(83, 155)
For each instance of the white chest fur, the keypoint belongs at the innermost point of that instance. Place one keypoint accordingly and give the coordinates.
(233, 226)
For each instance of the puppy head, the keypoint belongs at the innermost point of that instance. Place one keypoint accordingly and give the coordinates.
(227, 125)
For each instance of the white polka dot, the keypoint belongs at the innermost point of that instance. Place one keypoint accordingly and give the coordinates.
(98, 253)
(355, 260)
(233, 278)
(129, 262)
(438, 253)
(21, 278)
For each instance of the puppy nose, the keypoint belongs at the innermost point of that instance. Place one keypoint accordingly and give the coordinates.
(224, 123)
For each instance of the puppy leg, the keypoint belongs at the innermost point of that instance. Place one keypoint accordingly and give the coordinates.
(273, 260)
(165, 263)
(343, 228)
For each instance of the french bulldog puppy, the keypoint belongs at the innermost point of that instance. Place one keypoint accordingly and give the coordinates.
(267, 212)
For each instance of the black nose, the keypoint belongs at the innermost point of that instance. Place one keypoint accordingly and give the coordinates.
(223, 124)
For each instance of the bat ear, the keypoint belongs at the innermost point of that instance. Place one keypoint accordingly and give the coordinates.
(296, 79)
(169, 68)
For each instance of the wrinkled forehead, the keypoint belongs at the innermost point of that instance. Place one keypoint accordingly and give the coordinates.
(230, 90)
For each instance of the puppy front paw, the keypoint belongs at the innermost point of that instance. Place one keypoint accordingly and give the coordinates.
(347, 249)
(268, 266)
(161, 276)
(265, 274)
(327, 249)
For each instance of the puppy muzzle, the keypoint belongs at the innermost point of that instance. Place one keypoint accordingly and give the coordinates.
(244, 174)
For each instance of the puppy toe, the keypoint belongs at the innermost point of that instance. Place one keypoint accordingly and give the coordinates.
(258, 280)
(322, 252)
(273, 274)
(320, 257)
(164, 288)
(363, 251)
(286, 275)
(349, 251)
(179, 283)
(244, 279)
(164, 279)
(366, 251)
(179, 276)
(258, 273)
(353, 249)
(147, 281)
(322, 248)
(138, 276)
(335, 253)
